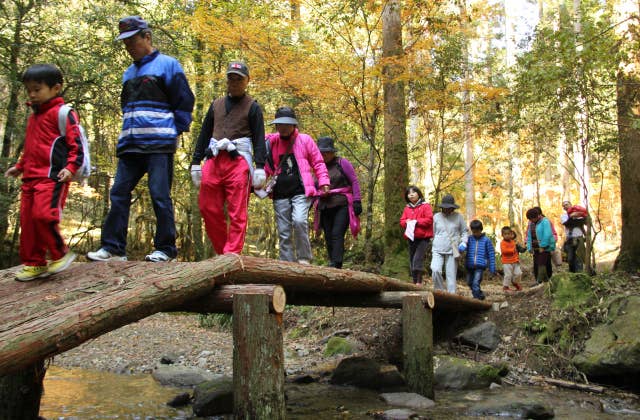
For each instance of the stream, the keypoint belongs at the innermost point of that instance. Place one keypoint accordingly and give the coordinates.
(86, 394)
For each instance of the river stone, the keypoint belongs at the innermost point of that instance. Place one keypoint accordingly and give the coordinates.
(407, 399)
(613, 351)
(526, 410)
(397, 414)
(486, 336)
(180, 376)
(366, 373)
(213, 397)
(339, 345)
(454, 373)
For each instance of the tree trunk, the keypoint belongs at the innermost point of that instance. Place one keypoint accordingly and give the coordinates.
(469, 185)
(220, 300)
(395, 137)
(388, 300)
(417, 346)
(20, 393)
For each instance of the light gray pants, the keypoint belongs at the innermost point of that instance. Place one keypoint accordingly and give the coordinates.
(451, 268)
(292, 219)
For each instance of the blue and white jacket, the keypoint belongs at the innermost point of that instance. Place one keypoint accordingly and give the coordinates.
(156, 103)
(480, 253)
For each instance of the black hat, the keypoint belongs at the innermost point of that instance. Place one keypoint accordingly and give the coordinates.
(285, 115)
(325, 144)
(131, 25)
(448, 202)
(238, 67)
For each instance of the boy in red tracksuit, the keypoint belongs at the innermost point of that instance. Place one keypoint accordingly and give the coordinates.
(417, 221)
(47, 164)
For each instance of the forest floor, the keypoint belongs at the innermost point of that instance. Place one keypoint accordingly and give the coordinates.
(138, 347)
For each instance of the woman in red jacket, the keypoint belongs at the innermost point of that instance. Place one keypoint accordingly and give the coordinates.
(417, 222)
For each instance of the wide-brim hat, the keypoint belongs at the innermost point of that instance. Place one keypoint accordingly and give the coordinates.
(131, 25)
(285, 115)
(448, 202)
(325, 144)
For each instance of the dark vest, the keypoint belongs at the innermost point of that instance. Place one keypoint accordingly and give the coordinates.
(234, 124)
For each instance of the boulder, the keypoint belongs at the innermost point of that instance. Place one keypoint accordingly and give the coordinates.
(366, 373)
(396, 414)
(213, 397)
(524, 410)
(612, 353)
(340, 345)
(180, 376)
(408, 400)
(454, 373)
(486, 336)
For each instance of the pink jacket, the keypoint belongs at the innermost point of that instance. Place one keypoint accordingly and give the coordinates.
(307, 156)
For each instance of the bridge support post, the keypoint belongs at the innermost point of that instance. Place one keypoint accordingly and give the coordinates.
(258, 359)
(20, 393)
(417, 345)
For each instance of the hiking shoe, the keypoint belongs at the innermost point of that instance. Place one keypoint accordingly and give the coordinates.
(517, 286)
(158, 256)
(104, 255)
(61, 264)
(32, 272)
(304, 262)
(506, 289)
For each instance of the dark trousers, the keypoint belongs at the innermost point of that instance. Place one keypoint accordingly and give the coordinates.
(575, 249)
(542, 267)
(131, 168)
(417, 251)
(335, 222)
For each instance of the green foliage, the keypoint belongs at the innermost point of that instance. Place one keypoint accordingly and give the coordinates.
(571, 290)
(223, 321)
(338, 345)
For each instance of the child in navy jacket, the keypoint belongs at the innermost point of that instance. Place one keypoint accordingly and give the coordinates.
(480, 256)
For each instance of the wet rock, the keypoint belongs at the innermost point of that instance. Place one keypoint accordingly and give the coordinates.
(213, 397)
(169, 359)
(302, 379)
(612, 354)
(180, 400)
(396, 414)
(531, 410)
(407, 399)
(454, 373)
(180, 376)
(339, 333)
(366, 373)
(339, 345)
(486, 336)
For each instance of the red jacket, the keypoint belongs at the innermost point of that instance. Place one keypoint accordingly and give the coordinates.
(45, 152)
(423, 214)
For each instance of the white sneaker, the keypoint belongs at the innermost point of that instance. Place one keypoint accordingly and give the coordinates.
(304, 262)
(158, 256)
(104, 255)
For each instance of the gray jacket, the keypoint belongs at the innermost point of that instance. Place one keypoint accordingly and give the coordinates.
(447, 230)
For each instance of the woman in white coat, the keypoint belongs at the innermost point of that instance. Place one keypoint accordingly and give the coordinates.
(449, 240)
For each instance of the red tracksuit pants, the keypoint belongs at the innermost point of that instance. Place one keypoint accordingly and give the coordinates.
(41, 205)
(225, 180)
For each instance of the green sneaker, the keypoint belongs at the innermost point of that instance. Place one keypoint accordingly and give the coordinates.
(61, 264)
(32, 272)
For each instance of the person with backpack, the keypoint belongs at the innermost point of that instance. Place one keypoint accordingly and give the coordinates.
(341, 208)
(293, 159)
(231, 141)
(157, 103)
(574, 219)
(540, 242)
(449, 242)
(48, 162)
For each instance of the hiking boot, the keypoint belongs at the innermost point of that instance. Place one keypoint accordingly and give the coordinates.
(104, 255)
(304, 262)
(61, 264)
(506, 289)
(517, 286)
(32, 272)
(158, 256)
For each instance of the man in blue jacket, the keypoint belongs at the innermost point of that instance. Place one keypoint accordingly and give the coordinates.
(156, 103)
(480, 255)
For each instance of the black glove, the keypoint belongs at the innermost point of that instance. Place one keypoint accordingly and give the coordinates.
(357, 207)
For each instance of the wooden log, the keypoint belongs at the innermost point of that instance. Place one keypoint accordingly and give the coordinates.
(20, 393)
(450, 302)
(568, 384)
(389, 300)
(220, 300)
(258, 359)
(417, 345)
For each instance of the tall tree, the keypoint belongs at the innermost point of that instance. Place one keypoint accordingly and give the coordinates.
(396, 164)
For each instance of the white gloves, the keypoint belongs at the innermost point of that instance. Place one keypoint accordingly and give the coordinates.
(259, 178)
(196, 175)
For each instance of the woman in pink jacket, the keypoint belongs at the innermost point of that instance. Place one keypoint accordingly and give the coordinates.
(293, 159)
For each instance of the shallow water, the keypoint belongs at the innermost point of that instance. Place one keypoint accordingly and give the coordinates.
(83, 394)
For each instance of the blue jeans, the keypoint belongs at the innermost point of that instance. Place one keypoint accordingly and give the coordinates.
(474, 278)
(131, 168)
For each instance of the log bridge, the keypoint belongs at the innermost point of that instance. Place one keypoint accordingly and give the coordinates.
(45, 317)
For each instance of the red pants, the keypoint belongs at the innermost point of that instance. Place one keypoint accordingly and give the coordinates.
(41, 207)
(225, 180)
